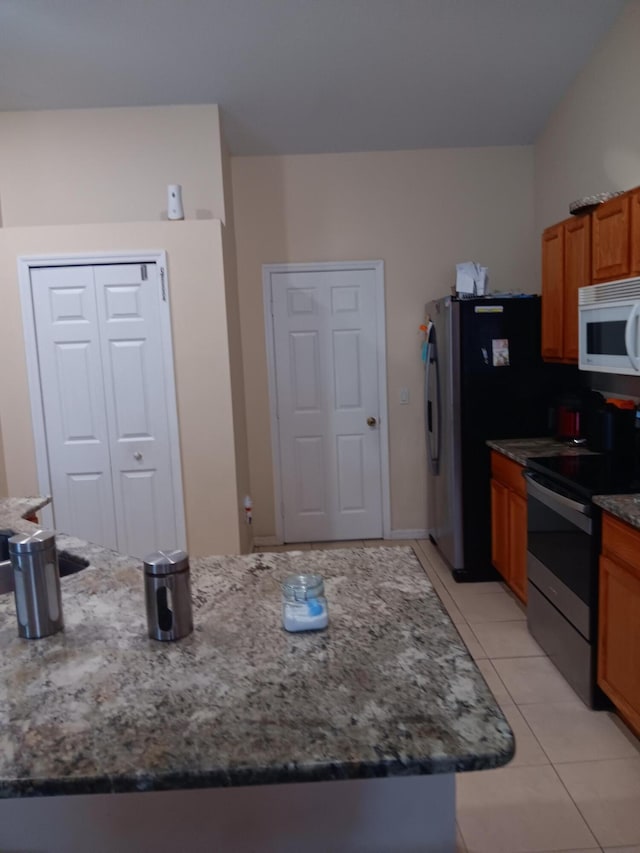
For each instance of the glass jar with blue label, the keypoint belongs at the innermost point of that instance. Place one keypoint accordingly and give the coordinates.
(304, 606)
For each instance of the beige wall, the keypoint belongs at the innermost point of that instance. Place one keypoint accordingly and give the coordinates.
(3, 475)
(592, 141)
(201, 354)
(420, 212)
(66, 167)
(235, 355)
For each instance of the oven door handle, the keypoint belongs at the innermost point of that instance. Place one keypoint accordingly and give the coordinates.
(565, 506)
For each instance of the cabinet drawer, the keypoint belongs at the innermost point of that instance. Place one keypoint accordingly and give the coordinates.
(508, 472)
(621, 541)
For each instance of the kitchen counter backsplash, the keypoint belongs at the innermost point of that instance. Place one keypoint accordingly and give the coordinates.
(388, 689)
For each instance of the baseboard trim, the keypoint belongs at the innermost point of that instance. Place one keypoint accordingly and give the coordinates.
(417, 533)
(265, 541)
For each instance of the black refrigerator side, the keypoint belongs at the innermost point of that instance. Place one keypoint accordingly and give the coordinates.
(505, 392)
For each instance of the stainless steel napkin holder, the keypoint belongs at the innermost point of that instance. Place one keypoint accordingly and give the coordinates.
(36, 584)
(167, 588)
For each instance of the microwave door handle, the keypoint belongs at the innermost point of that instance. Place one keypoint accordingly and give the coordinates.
(631, 337)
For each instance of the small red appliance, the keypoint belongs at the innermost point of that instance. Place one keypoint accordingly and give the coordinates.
(569, 418)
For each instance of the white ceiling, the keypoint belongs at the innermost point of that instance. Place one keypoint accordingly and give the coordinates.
(297, 76)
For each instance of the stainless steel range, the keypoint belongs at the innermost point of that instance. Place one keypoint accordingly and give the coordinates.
(562, 561)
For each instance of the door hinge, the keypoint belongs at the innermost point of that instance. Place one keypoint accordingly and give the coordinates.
(162, 285)
(143, 272)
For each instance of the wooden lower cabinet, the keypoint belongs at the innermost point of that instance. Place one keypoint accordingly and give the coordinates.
(518, 545)
(509, 523)
(619, 618)
(500, 528)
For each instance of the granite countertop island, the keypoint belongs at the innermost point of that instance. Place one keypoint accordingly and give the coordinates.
(387, 690)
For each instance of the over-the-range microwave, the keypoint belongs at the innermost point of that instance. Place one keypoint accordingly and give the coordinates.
(608, 332)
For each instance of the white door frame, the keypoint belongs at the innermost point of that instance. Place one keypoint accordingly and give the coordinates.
(156, 256)
(378, 267)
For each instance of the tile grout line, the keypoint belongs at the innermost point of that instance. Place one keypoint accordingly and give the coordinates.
(586, 822)
(459, 828)
(534, 736)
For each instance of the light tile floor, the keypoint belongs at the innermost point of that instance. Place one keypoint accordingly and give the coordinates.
(574, 784)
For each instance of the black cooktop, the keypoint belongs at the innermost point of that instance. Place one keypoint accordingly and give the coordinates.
(588, 474)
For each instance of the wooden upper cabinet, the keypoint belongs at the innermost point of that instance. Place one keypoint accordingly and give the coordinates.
(552, 291)
(635, 232)
(577, 273)
(611, 239)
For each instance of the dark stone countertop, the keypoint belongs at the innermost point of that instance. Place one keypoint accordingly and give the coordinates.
(388, 690)
(521, 449)
(624, 507)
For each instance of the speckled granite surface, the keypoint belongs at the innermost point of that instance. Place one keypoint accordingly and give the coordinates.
(389, 689)
(625, 507)
(521, 449)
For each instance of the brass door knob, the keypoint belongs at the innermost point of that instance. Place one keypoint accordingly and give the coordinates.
(371, 421)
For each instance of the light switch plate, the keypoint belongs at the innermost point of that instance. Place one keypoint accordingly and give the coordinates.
(404, 396)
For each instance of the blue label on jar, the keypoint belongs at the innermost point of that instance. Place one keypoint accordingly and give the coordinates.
(314, 607)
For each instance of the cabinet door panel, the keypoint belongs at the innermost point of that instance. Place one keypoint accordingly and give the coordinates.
(500, 528)
(518, 545)
(577, 273)
(508, 472)
(635, 232)
(619, 638)
(611, 233)
(552, 291)
(621, 542)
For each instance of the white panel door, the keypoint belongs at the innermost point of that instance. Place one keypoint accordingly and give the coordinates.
(132, 358)
(72, 392)
(101, 359)
(325, 342)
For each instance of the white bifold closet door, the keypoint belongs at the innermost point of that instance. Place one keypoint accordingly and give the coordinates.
(102, 379)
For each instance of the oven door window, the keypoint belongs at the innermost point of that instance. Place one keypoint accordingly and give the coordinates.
(561, 546)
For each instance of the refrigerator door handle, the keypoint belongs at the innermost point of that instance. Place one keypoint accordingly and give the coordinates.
(432, 364)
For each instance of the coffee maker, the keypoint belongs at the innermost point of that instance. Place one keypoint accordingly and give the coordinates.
(611, 429)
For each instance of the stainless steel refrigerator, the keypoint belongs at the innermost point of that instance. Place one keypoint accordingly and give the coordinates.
(484, 379)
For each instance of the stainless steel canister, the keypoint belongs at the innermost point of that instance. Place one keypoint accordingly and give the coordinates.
(167, 592)
(37, 583)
